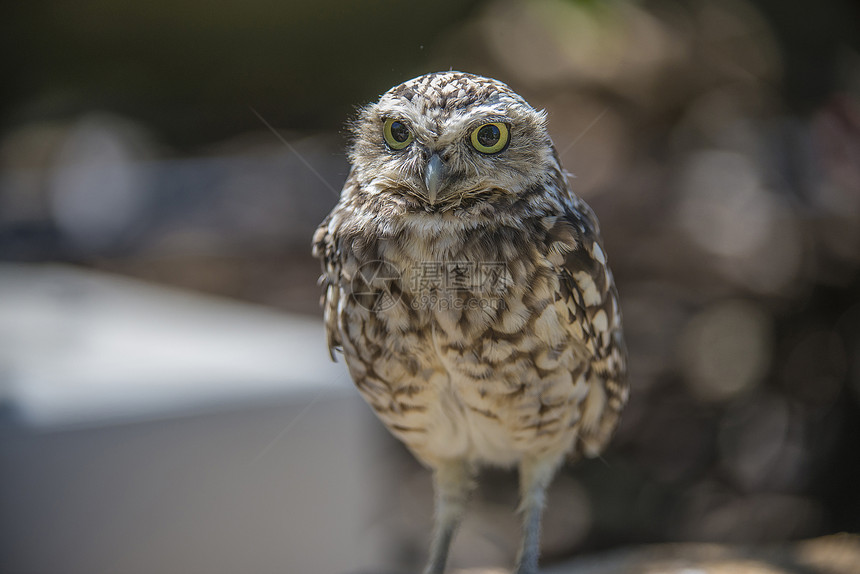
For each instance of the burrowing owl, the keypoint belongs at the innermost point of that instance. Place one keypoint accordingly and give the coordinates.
(469, 293)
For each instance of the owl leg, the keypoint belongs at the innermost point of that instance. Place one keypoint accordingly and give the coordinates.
(535, 476)
(452, 482)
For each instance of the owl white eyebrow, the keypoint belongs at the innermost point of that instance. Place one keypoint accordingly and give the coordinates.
(490, 120)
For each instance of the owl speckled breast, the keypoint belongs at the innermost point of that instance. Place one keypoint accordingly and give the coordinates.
(467, 352)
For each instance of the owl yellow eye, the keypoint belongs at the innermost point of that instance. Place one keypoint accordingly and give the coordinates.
(396, 134)
(491, 138)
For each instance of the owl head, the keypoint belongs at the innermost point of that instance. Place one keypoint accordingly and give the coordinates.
(446, 139)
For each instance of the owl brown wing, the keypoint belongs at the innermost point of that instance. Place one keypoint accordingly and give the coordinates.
(327, 248)
(588, 288)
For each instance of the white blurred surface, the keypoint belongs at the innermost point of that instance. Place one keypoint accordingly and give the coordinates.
(81, 347)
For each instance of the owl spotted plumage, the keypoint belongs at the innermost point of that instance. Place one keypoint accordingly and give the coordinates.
(468, 290)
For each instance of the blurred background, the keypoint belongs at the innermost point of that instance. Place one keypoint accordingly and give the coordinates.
(167, 403)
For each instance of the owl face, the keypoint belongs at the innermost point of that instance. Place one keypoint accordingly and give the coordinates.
(449, 138)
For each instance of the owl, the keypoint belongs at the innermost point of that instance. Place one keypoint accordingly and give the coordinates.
(468, 290)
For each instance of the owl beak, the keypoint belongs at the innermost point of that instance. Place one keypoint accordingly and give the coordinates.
(434, 177)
